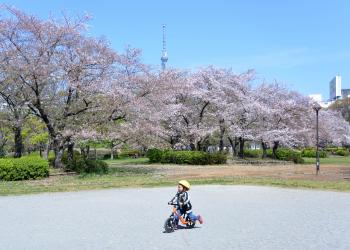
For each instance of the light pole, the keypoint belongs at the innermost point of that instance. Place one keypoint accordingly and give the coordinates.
(317, 108)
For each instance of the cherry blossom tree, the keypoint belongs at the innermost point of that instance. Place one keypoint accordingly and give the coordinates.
(284, 117)
(59, 67)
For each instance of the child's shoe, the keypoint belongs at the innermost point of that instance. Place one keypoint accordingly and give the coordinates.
(200, 219)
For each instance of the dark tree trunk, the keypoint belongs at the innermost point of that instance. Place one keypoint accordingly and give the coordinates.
(264, 148)
(112, 151)
(41, 150)
(241, 147)
(234, 143)
(58, 150)
(199, 146)
(172, 142)
(18, 141)
(192, 147)
(274, 149)
(222, 133)
(83, 152)
(70, 149)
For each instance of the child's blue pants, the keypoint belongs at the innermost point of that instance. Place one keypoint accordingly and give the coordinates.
(190, 215)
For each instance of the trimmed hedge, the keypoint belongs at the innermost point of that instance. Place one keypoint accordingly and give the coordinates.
(252, 153)
(24, 168)
(186, 157)
(130, 153)
(342, 152)
(311, 153)
(285, 154)
(154, 155)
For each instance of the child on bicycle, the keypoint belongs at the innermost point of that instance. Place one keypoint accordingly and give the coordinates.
(183, 203)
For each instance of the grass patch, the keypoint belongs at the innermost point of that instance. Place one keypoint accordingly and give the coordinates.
(336, 160)
(121, 178)
(305, 184)
(127, 161)
(120, 175)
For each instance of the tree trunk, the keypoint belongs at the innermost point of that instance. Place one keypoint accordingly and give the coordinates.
(47, 150)
(264, 148)
(18, 141)
(241, 147)
(192, 147)
(274, 149)
(58, 150)
(95, 154)
(222, 132)
(199, 146)
(112, 152)
(234, 144)
(58, 158)
(41, 150)
(70, 153)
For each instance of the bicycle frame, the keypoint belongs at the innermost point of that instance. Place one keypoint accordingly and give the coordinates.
(181, 218)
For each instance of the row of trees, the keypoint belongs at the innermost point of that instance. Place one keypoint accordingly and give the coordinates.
(80, 89)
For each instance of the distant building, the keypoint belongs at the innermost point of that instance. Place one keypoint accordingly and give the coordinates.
(345, 93)
(335, 93)
(335, 88)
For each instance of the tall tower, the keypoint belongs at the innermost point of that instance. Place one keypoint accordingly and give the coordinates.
(164, 57)
(335, 88)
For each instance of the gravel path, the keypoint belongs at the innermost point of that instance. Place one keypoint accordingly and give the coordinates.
(236, 217)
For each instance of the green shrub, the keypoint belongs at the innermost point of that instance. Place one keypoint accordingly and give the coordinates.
(2, 152)
(218, 158)
(331, 149)
(82, 165)
(76, 155)
(186, 157)
(154, 155)
(311, 153)
(285, 154)
(106, 156)
(51, 160)
(130, 153)
(24, 168)
(96, 166)
(252, 153)
(342, 152)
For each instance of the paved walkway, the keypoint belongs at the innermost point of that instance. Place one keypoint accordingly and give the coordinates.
(237, 217)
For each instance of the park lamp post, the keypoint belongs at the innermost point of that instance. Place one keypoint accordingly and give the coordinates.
(317, 108)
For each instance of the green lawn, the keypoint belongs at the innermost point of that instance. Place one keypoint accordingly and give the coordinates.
(125, 179)
(124, 176)
(121, 175)
(336, 160)
(127, 161)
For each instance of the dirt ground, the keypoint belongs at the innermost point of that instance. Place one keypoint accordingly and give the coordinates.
(302, 172)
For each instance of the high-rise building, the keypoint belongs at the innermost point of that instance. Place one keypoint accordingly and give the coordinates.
(164, 57)
(335, 88)
(345, 93)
